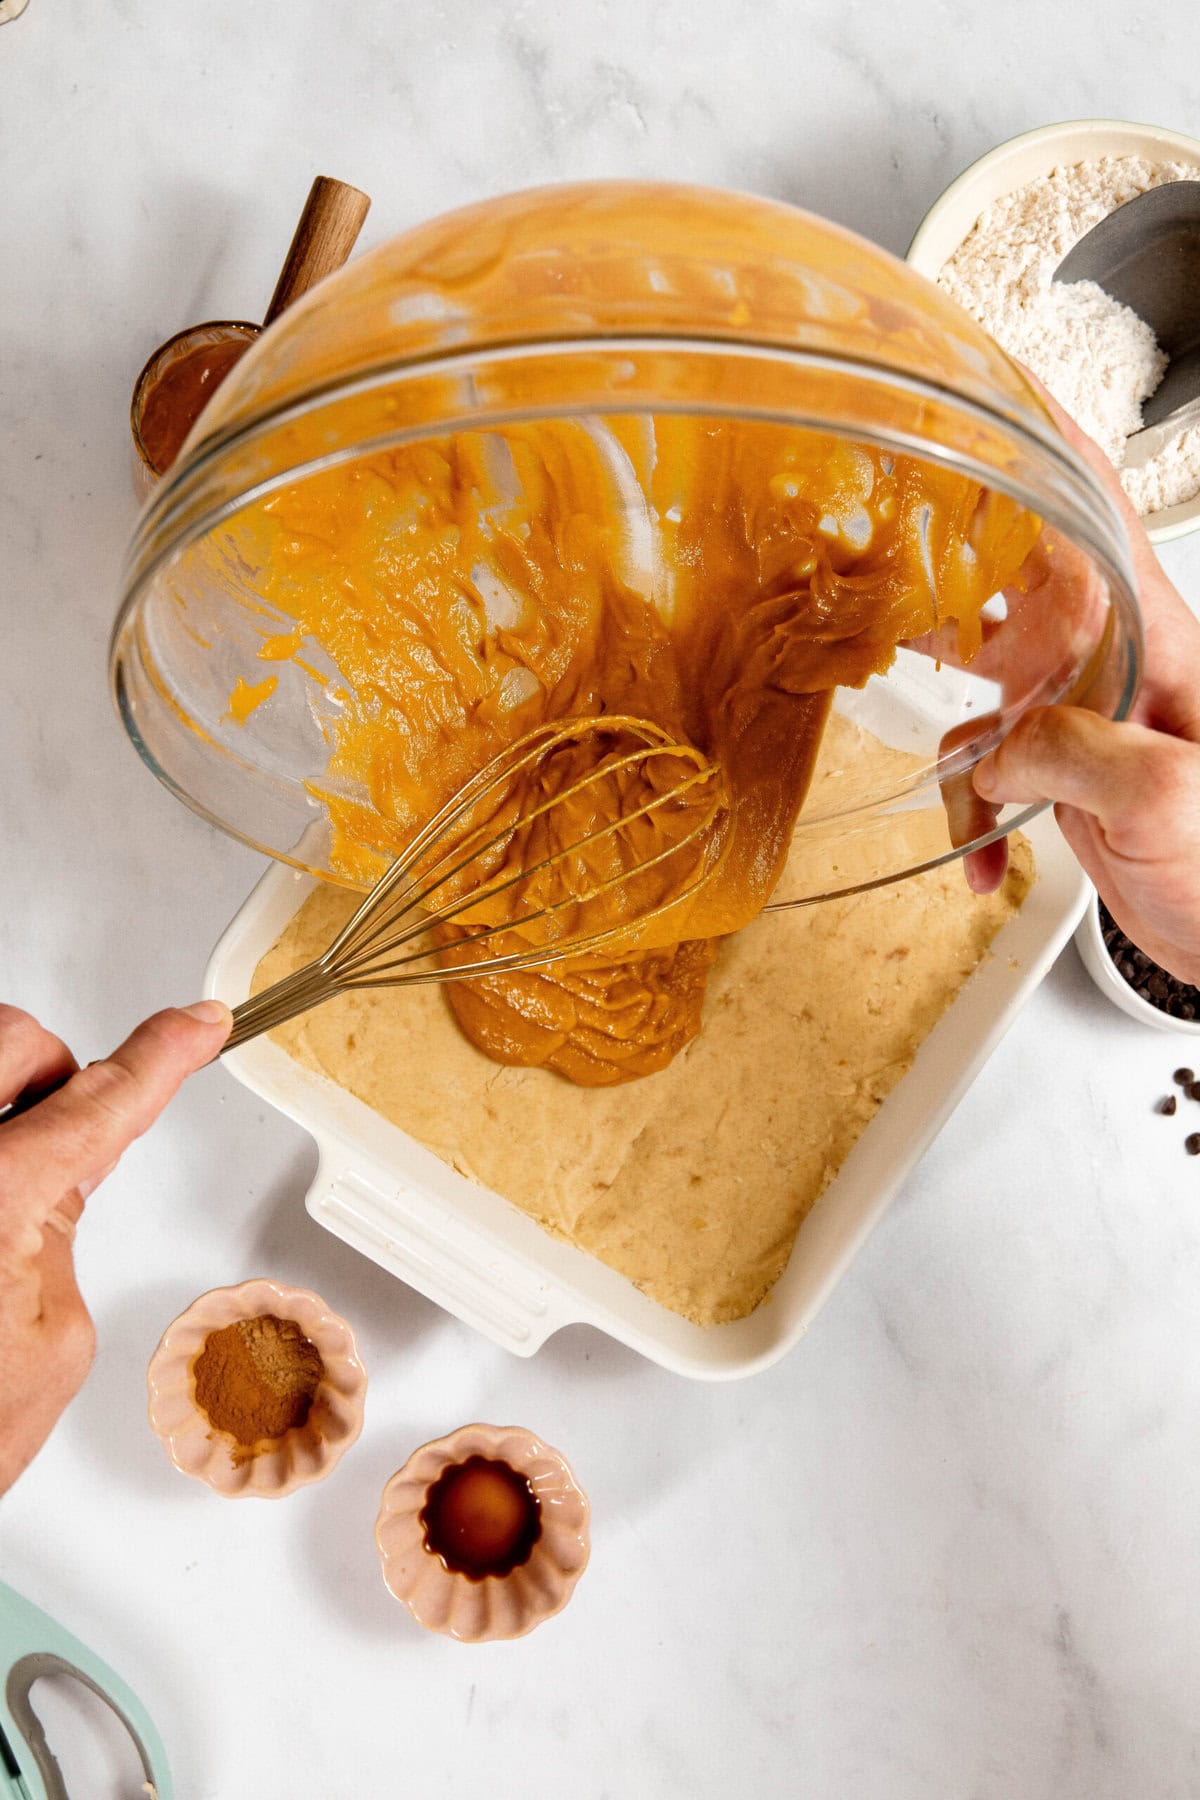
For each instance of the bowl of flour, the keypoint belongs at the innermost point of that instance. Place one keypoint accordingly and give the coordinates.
(993, 241)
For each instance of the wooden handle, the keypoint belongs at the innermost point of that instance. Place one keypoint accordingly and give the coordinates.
(329, 226)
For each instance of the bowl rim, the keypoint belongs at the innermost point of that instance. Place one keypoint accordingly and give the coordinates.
(1173, 521)
(1093, 953)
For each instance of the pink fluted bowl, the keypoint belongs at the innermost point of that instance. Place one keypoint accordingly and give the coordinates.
(480, 1610)
(302, 1455)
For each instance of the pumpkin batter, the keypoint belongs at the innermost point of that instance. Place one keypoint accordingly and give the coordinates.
(718, 580)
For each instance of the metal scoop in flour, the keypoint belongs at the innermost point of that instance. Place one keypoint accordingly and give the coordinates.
(1146, 254)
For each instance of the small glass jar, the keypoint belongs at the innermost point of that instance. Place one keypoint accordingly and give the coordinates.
(173, 389)
(614, 307)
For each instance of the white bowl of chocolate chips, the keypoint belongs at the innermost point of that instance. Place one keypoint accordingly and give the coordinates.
(1130, 978)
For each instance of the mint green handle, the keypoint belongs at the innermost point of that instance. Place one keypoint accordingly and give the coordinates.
(31, 1645)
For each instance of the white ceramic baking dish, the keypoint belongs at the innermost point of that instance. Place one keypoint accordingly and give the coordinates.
(491, 1266)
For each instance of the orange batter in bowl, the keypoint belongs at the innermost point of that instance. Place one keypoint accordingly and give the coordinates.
(720, 580)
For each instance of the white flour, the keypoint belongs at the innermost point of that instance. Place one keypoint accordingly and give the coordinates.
(1098, 359)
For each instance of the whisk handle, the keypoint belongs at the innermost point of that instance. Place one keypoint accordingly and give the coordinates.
(283, 1000)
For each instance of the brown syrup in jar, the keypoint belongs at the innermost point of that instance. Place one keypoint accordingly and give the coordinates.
(179, 395)
(481, 1517)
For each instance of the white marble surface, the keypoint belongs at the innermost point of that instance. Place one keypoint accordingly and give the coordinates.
(950, 1547)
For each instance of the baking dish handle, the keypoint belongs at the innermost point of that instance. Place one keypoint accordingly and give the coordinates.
(426, 1243)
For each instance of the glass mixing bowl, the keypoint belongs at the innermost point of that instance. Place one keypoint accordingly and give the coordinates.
(608, 311)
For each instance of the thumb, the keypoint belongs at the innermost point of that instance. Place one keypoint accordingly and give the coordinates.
(1140, 785)
(75, 1135)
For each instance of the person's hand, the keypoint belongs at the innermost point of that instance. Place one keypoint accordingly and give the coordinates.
(51, 1158)
(1127, 796)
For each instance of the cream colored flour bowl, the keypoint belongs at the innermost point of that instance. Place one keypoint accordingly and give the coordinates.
(1025, 159)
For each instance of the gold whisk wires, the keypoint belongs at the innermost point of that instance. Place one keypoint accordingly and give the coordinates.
(390, 940)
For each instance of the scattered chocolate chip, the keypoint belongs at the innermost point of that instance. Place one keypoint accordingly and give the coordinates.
(1178, 999)
(1191, 1143)
(1193, 1090)
(1167, 1106)
(1184, 1077)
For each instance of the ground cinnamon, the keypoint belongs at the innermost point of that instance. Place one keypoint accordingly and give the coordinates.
(257, 1379)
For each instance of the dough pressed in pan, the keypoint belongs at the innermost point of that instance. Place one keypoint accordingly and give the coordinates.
(694, 1181)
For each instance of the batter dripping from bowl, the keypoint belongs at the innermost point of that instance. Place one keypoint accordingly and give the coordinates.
(720, 580)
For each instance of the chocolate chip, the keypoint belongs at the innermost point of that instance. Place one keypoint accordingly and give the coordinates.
(1191, 1143)
(1184, 1077)
(1167, 1106)
(1156, 986)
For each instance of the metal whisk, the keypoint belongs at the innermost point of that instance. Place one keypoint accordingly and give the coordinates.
(416, 924)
